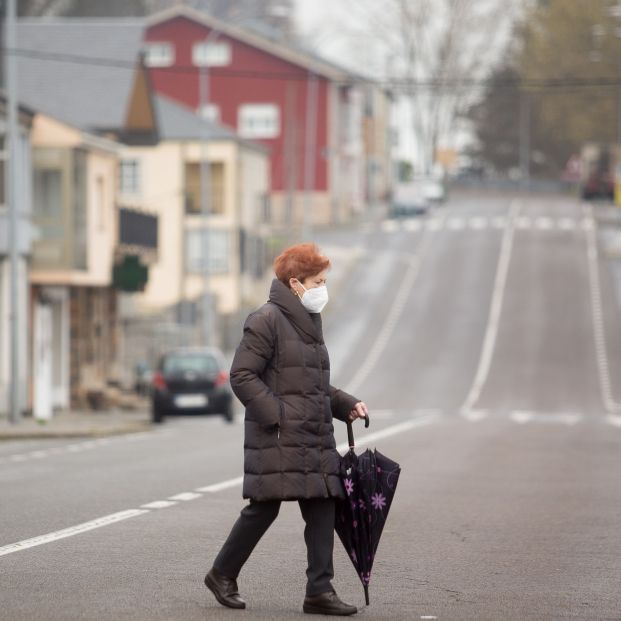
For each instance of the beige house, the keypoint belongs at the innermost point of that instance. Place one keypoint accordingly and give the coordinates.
(72, 258)
(166, 179)
(83, 113)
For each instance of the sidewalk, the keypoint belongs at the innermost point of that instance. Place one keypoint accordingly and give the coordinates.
(76, 424)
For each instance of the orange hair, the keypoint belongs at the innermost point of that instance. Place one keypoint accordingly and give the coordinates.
(301, 262)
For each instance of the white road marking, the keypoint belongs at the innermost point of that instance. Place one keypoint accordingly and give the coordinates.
(521, 417)
(38, 454)
(474, 416)
(565, 418)
(218, 487)
(427, 412)
(477, 224)
(543, 223)
(603, 368)
(588, 224)
(499, 223)
(435, 224)
(412, 225)
(363, 440)
(523, 222)
(455, 224)
(77, 447)
(215, 487)
(383, 414)
(389, 226)
(614, 419)
(392, 318)
(185, 496)
(158, 504)
(72, 530)
(566, 224)
(428, 617)
(494, 314)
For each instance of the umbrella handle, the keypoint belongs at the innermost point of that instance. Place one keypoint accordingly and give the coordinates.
(350, 432)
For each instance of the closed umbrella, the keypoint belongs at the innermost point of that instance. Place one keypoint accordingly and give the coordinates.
(370, 481)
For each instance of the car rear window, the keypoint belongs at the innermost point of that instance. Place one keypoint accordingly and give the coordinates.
(198, 363)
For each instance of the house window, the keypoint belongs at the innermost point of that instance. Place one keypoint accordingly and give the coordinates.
(48, 193)
(215, 183)
(3, 158)
(259, 121)
(211, 245)
(159, 54)
(129, 176)
(211, 54)
(210, 112)
(100, 206)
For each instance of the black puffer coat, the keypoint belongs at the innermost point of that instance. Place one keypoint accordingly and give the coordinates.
(281, 373)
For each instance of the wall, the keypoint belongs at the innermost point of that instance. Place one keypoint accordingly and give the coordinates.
(229, 92)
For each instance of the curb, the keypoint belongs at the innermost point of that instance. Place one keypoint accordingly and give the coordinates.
(95, 432)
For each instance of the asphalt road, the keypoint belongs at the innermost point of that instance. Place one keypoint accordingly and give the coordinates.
(486, 341)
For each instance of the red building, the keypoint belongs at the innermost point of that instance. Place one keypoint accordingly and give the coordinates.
(308, 111)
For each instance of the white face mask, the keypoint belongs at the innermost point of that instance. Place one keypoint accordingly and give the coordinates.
(314, 300)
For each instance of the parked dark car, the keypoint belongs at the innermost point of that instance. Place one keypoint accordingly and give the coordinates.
(191, 381)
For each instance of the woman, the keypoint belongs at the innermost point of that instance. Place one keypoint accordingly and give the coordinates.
(281, 373)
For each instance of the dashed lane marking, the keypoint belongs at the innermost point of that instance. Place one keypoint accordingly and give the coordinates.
(159, 504)
(78, 447)
(477, 224)
(72, 530)
(455, 224)
(482, 223)
(187, 496)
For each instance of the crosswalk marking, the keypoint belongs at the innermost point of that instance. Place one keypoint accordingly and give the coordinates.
(566, 224)
(481, 223)
(478, 223)
(412, 225)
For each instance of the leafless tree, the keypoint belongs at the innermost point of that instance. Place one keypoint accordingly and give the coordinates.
(433, 52)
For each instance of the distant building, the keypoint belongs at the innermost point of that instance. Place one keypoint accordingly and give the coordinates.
(84, 112)
(166, 178)
(308, 111)
(104, 100)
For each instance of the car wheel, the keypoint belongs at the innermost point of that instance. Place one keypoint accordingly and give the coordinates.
(157, 415)
(229, 415)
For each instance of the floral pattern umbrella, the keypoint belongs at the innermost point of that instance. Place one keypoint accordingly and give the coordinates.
(370, 481)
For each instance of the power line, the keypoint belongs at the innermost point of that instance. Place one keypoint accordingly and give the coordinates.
(573, 83)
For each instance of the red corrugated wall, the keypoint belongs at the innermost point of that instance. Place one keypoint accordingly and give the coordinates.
(258, 81)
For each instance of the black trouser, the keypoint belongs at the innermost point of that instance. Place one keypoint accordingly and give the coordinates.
(256, 518)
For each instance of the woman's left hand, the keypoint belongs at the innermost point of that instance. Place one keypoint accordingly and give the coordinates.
(360, 411)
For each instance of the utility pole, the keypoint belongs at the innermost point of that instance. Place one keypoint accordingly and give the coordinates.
(205, 187)
(310, 154)
(525, 138)
(12, 171)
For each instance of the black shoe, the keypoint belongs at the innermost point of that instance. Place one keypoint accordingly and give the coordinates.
(225, 589)
(328, 604)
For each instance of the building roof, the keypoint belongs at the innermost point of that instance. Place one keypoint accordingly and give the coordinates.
(61, 73)
(293, 54)
(176, 122)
